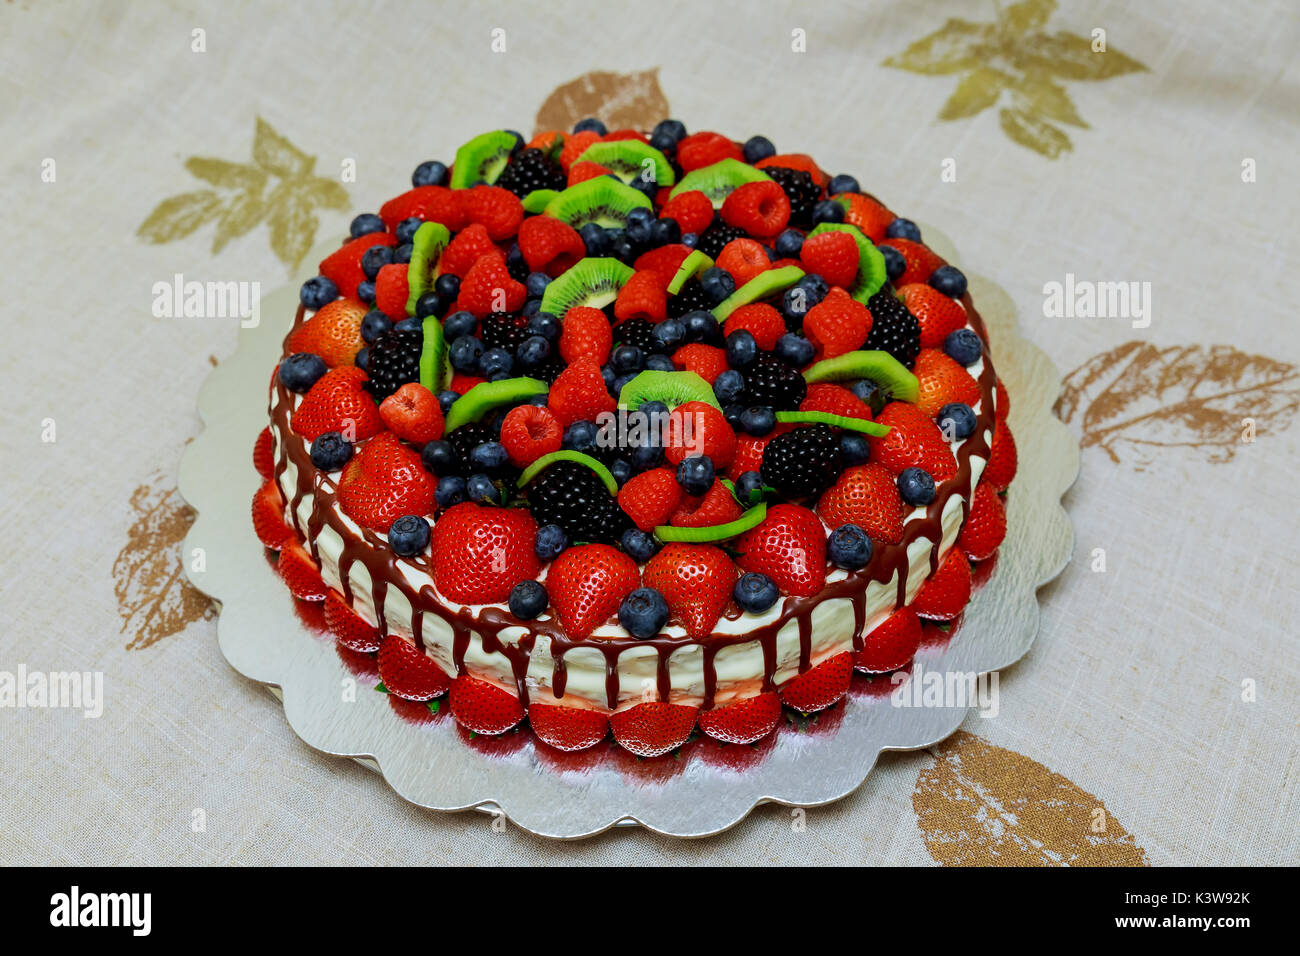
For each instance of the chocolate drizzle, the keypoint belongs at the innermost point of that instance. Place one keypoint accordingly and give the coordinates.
(889, 562)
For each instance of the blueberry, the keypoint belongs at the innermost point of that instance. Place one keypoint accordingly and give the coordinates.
(668, 335)
(732, 415)
(374, 259)
(647, 187)
(540, 400)
(528, 599)
(963, 346)
(628, 358)
(458, 324)
(849, 547)
(755, 592)
(639, 545)
(440, 457)
(655, 414)
(816, 286)
(749, 488)
(365, 224)
(789, 244)
(640, 226)
(853, 448)
(374, 325)
(757, 148)
(666, 232)
(449, 491)
(545, 325)
(956, 420)
(728, 386)
(802, 296)
(593, 236)
(519, 140)
(866, 390)
(362, 359)
(317, 292)
(903, 229)
(644, 612)
(410, 324)
(916, 486)
(622, 250)
(536, 284)
(366, 291)
(429, 173)
(949, 280)
(330, 451)
(842, 183)
(402, 254)
(689, 239)
(675, 130)
(465, 353)
(617, 388)
(581, 436)
(701, 326)
(828, 210)
(741, 348)
(515, 263)
(550, 542)
(759, 420)
(299, 372)
(647, 456)
(409, 535)
(489, 457)
(405, 230)
(664, 143)
(590, 123)
(621, 469)
(430, 303)
(717, 284)
(496, 361)
(609, 375)
(533, 351)
(895, 262)
(794, 350)
(696, 474)
(660, 363)
(482, 490)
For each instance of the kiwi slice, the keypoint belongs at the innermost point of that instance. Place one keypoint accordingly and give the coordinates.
(602, 200)
(487, 396)
(693, 266)
(836, 421)
(871, 263)
(426, 246)
(592, 282)
(881, 367)
(538, 199)
(719, 180)
(536, 468)
(627, 158)
(482, 159)
(714, 532)
(768, 282)
(435, 357)
(671, 388)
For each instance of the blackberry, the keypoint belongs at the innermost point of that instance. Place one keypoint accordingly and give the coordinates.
(802, 463)
(394, 361)
(689, 297)
(549, 370)
(638, 332)
(466, 438)
(505, 330)
(531, 169)
(570, 495)
(717, 235)
(770, 382)
(800, 189)
(893, 329)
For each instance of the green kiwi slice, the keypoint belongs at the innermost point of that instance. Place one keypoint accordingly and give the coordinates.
(593, 282)
(629, 159)
(426, 246)
(487, 396)
(871, 263)
(714, 532)
(482, 159)
(836, 421)
(768, 282)
(602, 200)
(719, 180)
(671, 388)
(536, 468)
(881, 367)
(693, 266)
(538, 199)
(435, 357)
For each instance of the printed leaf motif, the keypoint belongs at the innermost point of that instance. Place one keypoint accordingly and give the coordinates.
(621, 100)
(1014, 55)
(240, 202)
(155, 600)
(981, 805)
(1137, 399)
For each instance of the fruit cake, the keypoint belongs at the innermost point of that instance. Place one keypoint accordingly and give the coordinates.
(633, 434)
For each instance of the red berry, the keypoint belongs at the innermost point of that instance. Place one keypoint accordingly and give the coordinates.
(579, 393)
(946, 592)
(867, 213)
(392, 290)
(1003, 459)
(692, 210)
(986, 525)
(696, 581)
(761, 208)
(704, 149)
(581, 171)
(744, 259)
(550, 245)
(383, 482)
(834, 400)
(264, 453)
(348, 627)
(466, 248)
(706, 361)
(789, 546)
(891, 644)
(743, 721)
(820, 687)
(585, 334)
(698, 428)
(836, 325)
(650, 498)
(664, 260)
(497, 210)
(268, 517)
(343, 265)
(487, 287)
(412, 413)
(480, 552)
(567, 728)
(716, 506)
(799, 161)
(653, 728)
(483, 707)
(942, 381)
(914, 440)
(761, 320)
(575, 144)
(643, 296)
(921, 261)
(529, 432)
(867, 496)
(408, 672)
(338, 403)
(938, 314)
(333, 333)
(833, 255)
(300, 573)
(429, 203)
(587, 583)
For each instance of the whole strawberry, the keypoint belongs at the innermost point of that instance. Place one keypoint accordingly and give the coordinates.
(942, 381)
(789, 546)
(333, 333)
(488, 287)
(343, 265)
(650, 498)
(921, 261)
(480, 553)
(867, 496)
(587, 583)
(833, 255)
(579, 393)
(837, 324)
(914, 440)
(383, 482)
(938, 314)
(338, 403)
(696, 581)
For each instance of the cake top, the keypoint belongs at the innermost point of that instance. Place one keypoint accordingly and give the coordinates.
(659, 378)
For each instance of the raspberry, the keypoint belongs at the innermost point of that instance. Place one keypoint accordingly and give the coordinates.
(715, 506)
(487, 287)
(643, 296)
(412, 413)
(585, 334)
(575, 145)
(465, 249)
(620, 134)
(832, 255)
(744, 259)
(834, 400)
(837, 324)
(650, 498)
(761, 320)
(498, 210)
(761, 208)
(582, 171)
(692, 210)
(921, 262)
(392, 290)
(529, 432)
(706, 361)
(663, 261)
(461, 383)
(549, 245)
(704, 149)
(579, 393)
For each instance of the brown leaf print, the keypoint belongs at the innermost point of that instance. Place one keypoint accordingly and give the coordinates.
(1137, 399)
(981, 805)
(622, 100)
(155, 600)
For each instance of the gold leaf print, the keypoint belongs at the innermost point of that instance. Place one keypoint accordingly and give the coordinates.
(981, 805)
(241, 201)
(1013, 61)
(621, 100)
(155, 600)
(1137, 399)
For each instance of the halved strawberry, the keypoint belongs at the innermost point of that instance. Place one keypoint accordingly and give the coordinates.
(268, 517)
(408, 672)
(654, 727)
(821, 686)
(1003, 459)
(696, 581)
(743, 721)
(985, 526)
(891, 644)
(264, 453)
(482, 707)
(567, 728)
(943, 596)
(300, 573)
(587, 583)
(348, 627)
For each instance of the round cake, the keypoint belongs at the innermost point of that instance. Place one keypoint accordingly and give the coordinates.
(635, 434)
